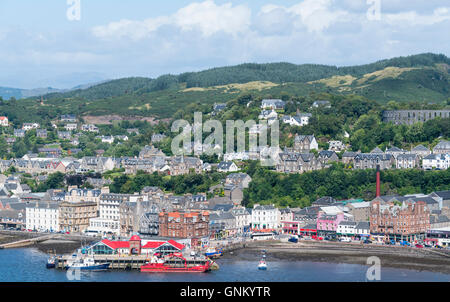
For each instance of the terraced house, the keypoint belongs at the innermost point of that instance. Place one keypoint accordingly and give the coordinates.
(292, 162)
(372, 160)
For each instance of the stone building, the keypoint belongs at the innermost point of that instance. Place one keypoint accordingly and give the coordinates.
(184, 224)
(406, 220)
(371, 160)
(410, 117)
(74, 216)
(407, 161)
(305, 143)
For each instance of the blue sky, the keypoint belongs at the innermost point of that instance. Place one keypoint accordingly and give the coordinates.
(40, 47)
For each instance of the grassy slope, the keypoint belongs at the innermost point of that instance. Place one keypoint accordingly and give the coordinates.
(164, 96)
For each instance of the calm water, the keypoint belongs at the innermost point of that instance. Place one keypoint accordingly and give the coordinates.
(28, 265)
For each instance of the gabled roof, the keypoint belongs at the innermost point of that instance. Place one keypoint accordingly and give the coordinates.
(116, 244)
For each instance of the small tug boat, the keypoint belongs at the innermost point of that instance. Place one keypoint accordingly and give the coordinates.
(177, 264)
(87, 264)
(213, 253)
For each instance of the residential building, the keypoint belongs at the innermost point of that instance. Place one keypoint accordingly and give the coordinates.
(443, 147)
(305, 143)
(327, 224)
(346, 228)
(74, 216)
(407, 161)
(359, 210)
(41, 133)
(436, 161)
(410, 117)
(4, 121)
(274, 104)
(89, 128)
(68, 118)
(42, 217)
(227, 167)
(265, 217)
(397, 220)
(421, 151)
(64, 135)
(30, 126)
(184, 224)
(318, 104)
(372, 160)
(336, 146)
(71, 127)
(239, 179)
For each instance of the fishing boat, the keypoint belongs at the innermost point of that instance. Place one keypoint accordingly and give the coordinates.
(87, 264)
(213, 253)
(177, 264)
(51, 262)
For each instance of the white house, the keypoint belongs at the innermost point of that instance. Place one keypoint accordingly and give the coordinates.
(267, 114)
(29, 126)
(265, 217)
(272, 104)
(71, 127)
(43, 217)
(436, 161)
(227, 166)
(347, 228)
(4, 121)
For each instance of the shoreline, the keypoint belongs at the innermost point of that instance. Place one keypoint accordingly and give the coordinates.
(437, 261)
(390, 256)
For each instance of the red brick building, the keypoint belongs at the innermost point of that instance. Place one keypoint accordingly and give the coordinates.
(400, 221)
(184, 225)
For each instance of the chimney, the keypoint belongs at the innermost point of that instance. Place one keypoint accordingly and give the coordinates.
(378, 182)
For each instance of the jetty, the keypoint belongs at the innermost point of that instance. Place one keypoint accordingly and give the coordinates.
(117, 262)
(26, 242)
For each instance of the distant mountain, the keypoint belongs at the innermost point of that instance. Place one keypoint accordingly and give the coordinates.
(419, 78)
(6, 92)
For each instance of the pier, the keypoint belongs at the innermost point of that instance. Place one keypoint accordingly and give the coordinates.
(26, 242)
(117, 262)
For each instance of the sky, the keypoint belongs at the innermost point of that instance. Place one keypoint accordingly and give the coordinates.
(64, 43)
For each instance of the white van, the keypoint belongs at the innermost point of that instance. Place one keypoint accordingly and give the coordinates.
(91, 233)
(346, 239)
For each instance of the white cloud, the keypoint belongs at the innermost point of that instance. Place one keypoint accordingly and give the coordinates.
(412, 18)
(208, 34)
(206, 17)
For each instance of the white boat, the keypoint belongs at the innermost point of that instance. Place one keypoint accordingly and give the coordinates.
(262, 265)
(87, 264)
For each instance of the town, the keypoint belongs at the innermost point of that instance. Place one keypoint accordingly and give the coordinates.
(163, 221)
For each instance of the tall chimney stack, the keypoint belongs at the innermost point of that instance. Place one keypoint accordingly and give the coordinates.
(378, 182)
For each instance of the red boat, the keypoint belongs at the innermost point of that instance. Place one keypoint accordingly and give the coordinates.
(177, 264)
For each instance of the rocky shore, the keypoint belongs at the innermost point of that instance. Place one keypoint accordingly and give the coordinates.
(390, 256)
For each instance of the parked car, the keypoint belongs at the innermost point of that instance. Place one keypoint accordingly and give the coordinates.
(419, 246)
(345, 239)
(367, 241)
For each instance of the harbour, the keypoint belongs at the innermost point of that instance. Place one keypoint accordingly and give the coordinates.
(28, 265)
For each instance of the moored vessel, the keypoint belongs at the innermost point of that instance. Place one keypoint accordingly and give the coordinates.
(213, 253)
(177, 264)
(87, 264)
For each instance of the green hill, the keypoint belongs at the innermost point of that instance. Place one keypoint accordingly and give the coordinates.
(419, 78)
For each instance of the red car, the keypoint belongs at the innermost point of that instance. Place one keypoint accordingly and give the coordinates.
(419, 246)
